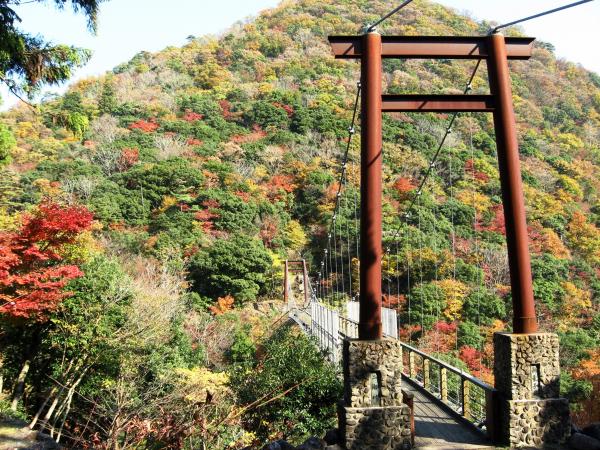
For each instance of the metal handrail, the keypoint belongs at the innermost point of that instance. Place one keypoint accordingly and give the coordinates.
(465, 402)
(476, 381)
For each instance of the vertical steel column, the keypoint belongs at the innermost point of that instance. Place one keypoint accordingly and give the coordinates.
(369, 327)
(524, 319)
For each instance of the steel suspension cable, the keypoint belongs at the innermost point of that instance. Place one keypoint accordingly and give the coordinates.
(421, 268)
(335, 259)
(453, 237)
(341, 255)
(388, 15)
(408, 293)
(535, 16)
(468, 88)
(327, 263)
(478, 281)
(348, 239)
(331, 290)
(435, 273)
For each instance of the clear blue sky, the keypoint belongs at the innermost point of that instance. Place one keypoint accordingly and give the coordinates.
(127, 27)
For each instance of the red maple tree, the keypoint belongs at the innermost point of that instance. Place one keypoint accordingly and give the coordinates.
(32, 276)
(472, 358)
(280, 184)
(129, 157)
(497, 224)
(147, 126)
(191, 116)
(479, 176)
(404, 187)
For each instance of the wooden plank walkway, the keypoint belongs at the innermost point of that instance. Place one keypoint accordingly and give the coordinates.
(438, 429)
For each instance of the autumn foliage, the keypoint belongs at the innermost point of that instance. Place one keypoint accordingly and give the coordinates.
(191, 116)
(129, 157)
(147, 126)
(32, 276)
(222, 305)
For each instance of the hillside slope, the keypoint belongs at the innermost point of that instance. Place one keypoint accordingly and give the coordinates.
(218, 160)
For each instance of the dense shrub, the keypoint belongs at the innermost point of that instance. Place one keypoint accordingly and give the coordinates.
(236, 266)
(303, 386)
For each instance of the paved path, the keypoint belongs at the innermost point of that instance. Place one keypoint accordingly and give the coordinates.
(436, 428)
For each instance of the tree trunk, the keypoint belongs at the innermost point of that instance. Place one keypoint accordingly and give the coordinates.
(44, 422)
(50, 395)
(53, 393)
(66, 414)
(20, 385)
(19, 389)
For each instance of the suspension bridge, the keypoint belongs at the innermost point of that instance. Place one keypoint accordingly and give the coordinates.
(450, 408)
(374, 304)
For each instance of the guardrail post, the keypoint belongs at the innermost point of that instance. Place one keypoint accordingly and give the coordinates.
(411, 365)
(465, 397)
(492, 416)
(409, 399)
(426, 380)
(444, 384)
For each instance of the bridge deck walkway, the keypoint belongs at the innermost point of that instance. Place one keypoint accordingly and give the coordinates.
(436, 428)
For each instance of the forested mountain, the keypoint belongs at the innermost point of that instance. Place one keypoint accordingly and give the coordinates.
(144, 211)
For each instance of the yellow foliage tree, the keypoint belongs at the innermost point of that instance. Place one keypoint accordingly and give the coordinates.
(167, 202)
(479, 201)
(454, 294)
(295, 235)
(585, 238)
(575, 303)
(201, 385)
(552, 243)
(540, 205)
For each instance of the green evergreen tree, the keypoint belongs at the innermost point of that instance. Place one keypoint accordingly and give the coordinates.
(7, 143)
(108, 100)
(31, 59)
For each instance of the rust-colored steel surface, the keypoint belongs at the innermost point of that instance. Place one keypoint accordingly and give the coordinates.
(455, 47)
(371, 251)
(524, 320)
(438, 103)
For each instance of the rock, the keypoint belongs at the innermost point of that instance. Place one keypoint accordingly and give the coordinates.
(580, 441)
(47, 442)
(279, 445)
(332, 437)
(312, 443)
(592, 430)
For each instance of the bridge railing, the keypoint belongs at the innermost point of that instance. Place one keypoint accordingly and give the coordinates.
(464, 394)
(461, 392)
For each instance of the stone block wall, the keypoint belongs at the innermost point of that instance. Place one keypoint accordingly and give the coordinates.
(376, 428)
(532, 423)
(383, 358)
(521, 354)
(372, 415)
(527, 377)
